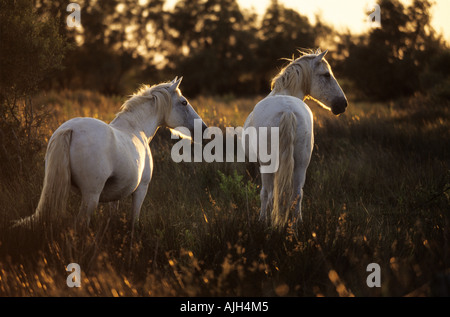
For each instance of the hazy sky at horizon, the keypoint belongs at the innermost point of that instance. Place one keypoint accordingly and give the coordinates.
(351, 14)
(343, 14)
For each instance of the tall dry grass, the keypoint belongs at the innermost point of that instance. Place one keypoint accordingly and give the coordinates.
(377, 190)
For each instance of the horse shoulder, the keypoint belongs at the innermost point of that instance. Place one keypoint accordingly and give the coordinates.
(132, 149)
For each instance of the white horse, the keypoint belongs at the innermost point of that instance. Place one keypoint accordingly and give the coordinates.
(308, 76)
(107, 162)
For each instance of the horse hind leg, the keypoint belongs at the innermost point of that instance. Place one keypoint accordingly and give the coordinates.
(299, 182)
(266, 196)
(113, 207)
(297, 205)
(89, 203)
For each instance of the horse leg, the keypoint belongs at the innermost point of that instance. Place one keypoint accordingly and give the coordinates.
(137, 200)
(299, 182)
(113, 207)
(89, 203)
(266, 195)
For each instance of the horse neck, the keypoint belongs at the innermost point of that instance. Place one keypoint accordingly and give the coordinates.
(137, 122)
(293, 83)
(284, 92)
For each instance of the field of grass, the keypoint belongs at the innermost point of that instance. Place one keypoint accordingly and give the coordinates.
(377, 191)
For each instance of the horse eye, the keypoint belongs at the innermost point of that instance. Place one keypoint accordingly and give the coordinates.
(184, 103)
(327, 75)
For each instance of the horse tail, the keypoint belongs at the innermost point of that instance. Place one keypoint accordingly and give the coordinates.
(283, 180)
(57, 179)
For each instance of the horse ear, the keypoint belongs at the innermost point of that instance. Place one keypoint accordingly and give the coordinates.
(321, 55)
(176, 83)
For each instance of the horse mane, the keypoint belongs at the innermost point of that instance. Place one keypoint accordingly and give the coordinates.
(157, 95)
(296, 76)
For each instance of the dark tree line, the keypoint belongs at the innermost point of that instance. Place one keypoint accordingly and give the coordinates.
(220, 48)
(402, 57)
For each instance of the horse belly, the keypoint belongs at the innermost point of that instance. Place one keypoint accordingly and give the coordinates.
(115, 189)
(132, 168)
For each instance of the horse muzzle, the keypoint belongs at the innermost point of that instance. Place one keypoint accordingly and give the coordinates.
(339, 105)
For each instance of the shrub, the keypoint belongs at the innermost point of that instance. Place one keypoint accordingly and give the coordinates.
(31, 50)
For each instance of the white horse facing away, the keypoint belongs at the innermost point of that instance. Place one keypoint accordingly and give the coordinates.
(307, 77)
(107, 162)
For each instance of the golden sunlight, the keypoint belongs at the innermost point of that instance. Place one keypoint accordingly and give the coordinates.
(349, 14)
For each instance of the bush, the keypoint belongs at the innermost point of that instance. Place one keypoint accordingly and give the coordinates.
(234, 189)
(31, 50)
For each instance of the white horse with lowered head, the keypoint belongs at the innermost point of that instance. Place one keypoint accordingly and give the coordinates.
(107, 162)
(307, 77)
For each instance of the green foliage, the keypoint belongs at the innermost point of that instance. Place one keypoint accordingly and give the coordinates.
(236, 191)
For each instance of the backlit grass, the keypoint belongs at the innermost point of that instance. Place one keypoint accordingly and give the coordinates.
(377, 190)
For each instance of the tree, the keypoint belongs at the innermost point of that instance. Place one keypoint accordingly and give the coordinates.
(118, 38)
(282, 33)
(388, 62)
(212, 45)
(31, 50)
(115, 36)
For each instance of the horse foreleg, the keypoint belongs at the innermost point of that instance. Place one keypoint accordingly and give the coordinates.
(137, 200)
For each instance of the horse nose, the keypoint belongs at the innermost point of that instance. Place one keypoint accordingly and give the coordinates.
(339, 105)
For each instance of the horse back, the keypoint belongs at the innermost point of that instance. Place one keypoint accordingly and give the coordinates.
(268, 113)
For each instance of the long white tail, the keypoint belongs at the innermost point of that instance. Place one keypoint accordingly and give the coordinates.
(283, 179)
(57, 179)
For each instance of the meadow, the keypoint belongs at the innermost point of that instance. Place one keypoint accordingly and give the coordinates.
(377, 191)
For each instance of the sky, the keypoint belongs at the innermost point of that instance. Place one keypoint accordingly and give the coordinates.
(351, 13)
(343, 14)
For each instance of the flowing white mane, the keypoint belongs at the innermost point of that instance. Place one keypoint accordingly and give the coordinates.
(296, 76)
(158, 96)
